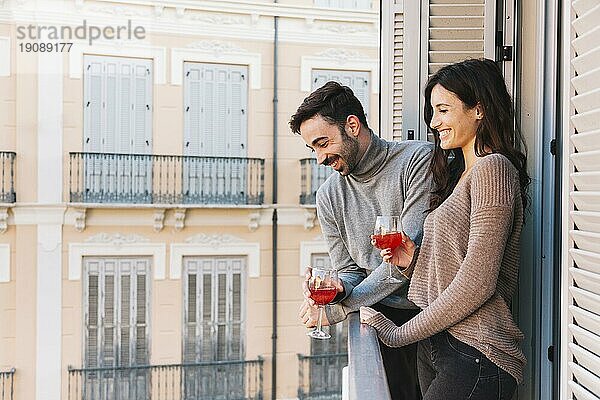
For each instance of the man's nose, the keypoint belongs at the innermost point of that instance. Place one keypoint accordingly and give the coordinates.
(321, 156)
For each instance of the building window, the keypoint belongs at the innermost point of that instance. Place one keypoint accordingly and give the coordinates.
(117, 122)
(116, 312)
(117, 105)
(358, 81)
(214, 293)
(348, 4)
(216, 115)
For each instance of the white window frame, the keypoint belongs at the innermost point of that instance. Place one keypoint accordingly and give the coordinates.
(236, 247)
(79, 250)
(216, 55)
(338, 59)
(307, 249)
(157, 54)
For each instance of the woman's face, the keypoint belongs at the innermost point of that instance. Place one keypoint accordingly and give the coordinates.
(455, 123)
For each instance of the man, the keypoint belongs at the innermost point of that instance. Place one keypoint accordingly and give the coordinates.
(375, 177)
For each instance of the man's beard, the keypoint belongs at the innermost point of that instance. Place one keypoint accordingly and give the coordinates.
(348, 153)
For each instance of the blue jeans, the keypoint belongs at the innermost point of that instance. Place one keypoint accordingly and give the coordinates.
(452, 370)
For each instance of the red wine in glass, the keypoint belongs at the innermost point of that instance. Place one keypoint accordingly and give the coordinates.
(388, 241)
(388, 235)
(323, 295)
(322, 290)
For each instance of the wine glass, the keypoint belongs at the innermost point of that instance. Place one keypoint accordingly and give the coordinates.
(388, 235)
(322, 286)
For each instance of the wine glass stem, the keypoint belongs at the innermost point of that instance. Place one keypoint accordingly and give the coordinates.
(319, 321)
(389, 269)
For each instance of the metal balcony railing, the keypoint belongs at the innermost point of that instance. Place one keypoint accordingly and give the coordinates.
(366, 376)
(219, 380)
(7, 177)
(320, 376)
(165, 179)
(7, 383)
(312, 175)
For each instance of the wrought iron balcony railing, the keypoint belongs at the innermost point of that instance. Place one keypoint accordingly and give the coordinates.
(312, 176)
(165, 179)
(7, 383)
(7, 177)
(219, 380)
(320, 376)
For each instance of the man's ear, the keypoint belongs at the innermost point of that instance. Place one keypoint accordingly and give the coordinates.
(353, 125)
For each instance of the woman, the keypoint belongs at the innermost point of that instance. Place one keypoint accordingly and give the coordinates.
(465, 273)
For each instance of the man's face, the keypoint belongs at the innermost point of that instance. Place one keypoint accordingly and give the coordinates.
(332, 147)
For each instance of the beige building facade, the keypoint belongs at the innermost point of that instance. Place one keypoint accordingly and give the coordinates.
(142, 229)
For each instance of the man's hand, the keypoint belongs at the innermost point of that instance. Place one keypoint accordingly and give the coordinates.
(309, 315)
(306, 291)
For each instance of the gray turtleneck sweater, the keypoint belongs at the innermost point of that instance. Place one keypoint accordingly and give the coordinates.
(390, 179)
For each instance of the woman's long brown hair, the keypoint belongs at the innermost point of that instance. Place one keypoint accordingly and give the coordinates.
(476, 82)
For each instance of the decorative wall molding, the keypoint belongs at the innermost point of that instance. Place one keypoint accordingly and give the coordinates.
(310, 216)
(307, 249)
(338, 59)
(116, 239)
(120, 49)
(215, 51)
(116, 245)
(5, 53)
(80, 219)
(3, 219)
(179, 219)
(216, 19)
(214, 240)
(222, 248)
(158, 219)
(253, 221)
(4, 262)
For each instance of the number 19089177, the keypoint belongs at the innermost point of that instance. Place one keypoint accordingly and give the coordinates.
(45, 47)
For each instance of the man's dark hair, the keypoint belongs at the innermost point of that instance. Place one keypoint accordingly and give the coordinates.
(333, 102)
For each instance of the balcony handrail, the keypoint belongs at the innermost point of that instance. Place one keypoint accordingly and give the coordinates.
(312, 176)
(167, 155)
(318, 356)
(258, 360)
(366, 375)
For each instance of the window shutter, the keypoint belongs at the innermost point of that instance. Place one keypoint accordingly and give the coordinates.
(582, 288)
(216, 102)
(118, 105)
(397, 75)
(358, 81)
(92, 104)
(456, 32)
(116, 309)
(214, 308)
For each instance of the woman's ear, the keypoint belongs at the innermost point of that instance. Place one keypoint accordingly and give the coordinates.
(479, 111)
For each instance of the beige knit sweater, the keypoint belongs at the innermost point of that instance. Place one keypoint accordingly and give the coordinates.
(467, 268)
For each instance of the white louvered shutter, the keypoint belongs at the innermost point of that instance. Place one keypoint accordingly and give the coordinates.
(358, 81)
(117, 311)
(213, 324)
(397, 74)
(216, 115)
(93, 104)
(456, 32)
(580, 377)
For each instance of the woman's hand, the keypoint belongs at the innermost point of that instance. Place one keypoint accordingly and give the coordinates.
(401, 255)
